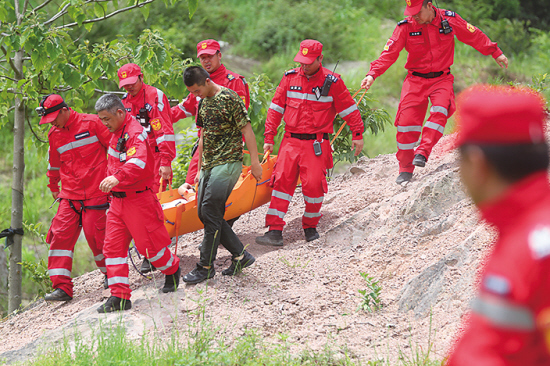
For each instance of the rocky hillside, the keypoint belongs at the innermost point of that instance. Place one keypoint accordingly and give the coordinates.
(422, 242)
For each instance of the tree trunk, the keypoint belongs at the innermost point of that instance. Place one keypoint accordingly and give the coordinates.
(3, 281)
(15, 275)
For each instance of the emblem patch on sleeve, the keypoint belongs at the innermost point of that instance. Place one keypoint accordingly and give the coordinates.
(388, 45)
(131, 151)
(156, 124)
(470, 27)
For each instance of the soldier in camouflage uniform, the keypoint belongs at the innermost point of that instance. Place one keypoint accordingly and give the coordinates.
(224, 120)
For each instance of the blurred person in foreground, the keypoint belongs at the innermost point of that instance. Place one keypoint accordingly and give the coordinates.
(78, 159)
(504, 167)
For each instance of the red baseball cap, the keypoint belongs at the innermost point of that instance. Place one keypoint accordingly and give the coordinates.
(49, 108)
(500, 115)
(128, 74)
(310, 49)
(207, 47)
(413, 7)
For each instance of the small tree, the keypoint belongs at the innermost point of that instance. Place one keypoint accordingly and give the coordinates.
(42, 55)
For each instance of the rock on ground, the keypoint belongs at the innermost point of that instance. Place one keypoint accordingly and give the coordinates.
(422, 242)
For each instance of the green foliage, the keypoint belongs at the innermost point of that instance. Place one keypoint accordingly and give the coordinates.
(35, 270)
(370, 297)
(183, 158)
(540, 83)
(261, 93)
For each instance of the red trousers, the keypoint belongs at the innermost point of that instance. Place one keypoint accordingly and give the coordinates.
(193, 169)
(63, 234)
(412, 111)
(137, 216)
(297, 158)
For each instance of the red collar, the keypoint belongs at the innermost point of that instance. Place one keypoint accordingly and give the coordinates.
(516, 200)
(219, 73)
(313, 77)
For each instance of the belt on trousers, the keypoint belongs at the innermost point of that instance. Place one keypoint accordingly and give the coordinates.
(127, 194)
(430, 75)
(307, 136)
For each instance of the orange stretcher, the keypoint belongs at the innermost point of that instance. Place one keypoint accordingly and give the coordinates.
(180, 212)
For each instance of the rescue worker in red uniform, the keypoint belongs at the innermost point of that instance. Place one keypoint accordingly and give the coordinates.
(308, 98)
(151, 108)
(210, 57)
(77, 159)
(504, 166)
(135, 210)
(428, 36)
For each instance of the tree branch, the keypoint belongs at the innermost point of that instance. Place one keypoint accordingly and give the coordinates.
(12, 65)
(32, 130)
(7, 77)
(42, 5)
(58, 15)
(25, 5)
(17, 13)
(140, 5)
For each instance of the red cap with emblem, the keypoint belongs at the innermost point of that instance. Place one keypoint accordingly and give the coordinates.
(500, 115)
(413, 7)
(128, 74)
(207, 47)
(310, 49)
(49, 108)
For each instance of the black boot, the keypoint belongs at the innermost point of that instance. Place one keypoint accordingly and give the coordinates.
(114, 303)
(106, 282)
(272, 237)
(199, 274)
(57, 295)
(146, 266)
(238, 265)
(172, 282)
(403, 177)
(311, 234)
(419, 160)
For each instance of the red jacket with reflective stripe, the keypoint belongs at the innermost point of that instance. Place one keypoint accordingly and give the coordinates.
(161, 132)
(297, 100)
(135, 171)
(222, 76)
(511, 316)
(430, 50)
(78, 157)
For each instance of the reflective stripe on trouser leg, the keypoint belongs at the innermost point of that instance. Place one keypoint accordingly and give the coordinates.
(503, 314)
(150, 235)
(432, 132)
(314, 183)
(93, 225)
(283, 182)
(62, 237)
(115, 250)
(407, 135)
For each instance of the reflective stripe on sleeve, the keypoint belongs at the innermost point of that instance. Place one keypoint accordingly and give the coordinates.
(59, 272)
(438, 109)
(52, 168)
(405, 146)
(113, 153)
(281, 195)
(434, 126)
(314, 199)
(409, 128)
(503, 314)
(187, 114)
(116, 261)
(143, 135)
(160, 95)
(165, 138)
(115, 280)
(306, 96)
(274, 212)
(138, 162)
(312, 214)
(60, 253)
(158, 256)
(277, 108)
(76, 144)
(347, 111)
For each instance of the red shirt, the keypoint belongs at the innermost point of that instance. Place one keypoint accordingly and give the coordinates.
(223, 77)
(161, 132)
(511, 315)
(297, 100)
(431, 50)
(133, 167)
(78, 157)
